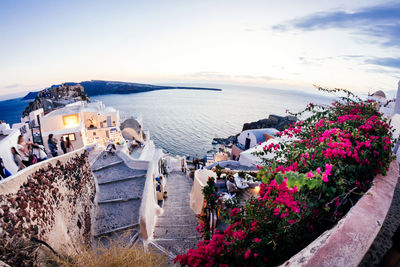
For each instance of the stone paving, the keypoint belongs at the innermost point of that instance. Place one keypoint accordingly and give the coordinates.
(383, 241)
(120, 190)
(175, 230)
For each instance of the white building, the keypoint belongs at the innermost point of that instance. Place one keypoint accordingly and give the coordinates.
(8, 139)
(84, 123)
(251, 138)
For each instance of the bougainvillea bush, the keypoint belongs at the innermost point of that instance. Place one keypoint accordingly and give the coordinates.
(327, 163)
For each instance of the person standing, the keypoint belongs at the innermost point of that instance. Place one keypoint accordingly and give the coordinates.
(52, 146)
(39, 152)
(68, 145)
(62, 144)
(23, 151)
(17, 159)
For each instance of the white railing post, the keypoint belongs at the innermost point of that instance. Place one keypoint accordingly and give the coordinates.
(397, 106)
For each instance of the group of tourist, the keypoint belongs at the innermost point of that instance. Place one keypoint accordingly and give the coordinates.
(28, 153)
(66, 145)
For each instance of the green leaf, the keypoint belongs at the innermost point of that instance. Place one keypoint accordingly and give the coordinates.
(291, 179)
(279, 178)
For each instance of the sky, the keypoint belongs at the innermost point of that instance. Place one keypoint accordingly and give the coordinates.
(276, 44)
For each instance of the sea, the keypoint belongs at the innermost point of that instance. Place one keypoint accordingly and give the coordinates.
(184, 122)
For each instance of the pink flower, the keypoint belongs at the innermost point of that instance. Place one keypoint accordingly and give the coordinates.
(328, 168)
(255, 255)
(235, 212)
(310, 174)
(257, 240)
(318, 170)
(337, 202)
(247, 254)
(239, 235)
(292, 221)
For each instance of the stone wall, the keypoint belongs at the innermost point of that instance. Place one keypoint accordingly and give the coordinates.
(52, 202)
(349, 240)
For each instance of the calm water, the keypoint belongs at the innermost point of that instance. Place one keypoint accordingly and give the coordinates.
(184, 122)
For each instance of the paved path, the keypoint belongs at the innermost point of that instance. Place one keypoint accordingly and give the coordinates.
(384, 239)
(175, 230)
(120, 190)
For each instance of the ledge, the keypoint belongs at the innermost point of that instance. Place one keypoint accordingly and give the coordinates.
(349, 240)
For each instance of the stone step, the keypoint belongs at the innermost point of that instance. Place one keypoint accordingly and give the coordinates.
(176, 205)
(122, 179)
(178, 180)
(104, 161)
(112, 164)
(175, 231)
(177, 220)
(119, 229)
(125, 238)
(117, 172)
(115, 215)
(178, 192)
(178, 210)
(172, 202)
(132, 188)
(117, 200)
(172, 198)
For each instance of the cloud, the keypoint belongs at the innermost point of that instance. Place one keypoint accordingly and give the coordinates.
(15, 85)
(382, 21)
(218, 75)
(385, 62)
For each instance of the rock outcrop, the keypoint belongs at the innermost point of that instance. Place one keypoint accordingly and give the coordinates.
(56, 97)
(96, 87)
(273, 121)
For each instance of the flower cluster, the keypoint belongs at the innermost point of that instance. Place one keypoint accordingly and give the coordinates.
(210, 200)
(314, 179)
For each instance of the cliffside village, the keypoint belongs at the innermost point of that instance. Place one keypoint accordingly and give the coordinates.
(134, 192)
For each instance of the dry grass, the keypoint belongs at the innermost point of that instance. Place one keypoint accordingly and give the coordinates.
(115, 255)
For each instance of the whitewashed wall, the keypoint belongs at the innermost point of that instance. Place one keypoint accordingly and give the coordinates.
(5, 153)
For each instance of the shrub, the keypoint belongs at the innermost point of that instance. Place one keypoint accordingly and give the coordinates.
(114, 255)
(317, 175)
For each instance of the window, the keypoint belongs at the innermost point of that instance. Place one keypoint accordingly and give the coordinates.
(71, 120)
(71, 137)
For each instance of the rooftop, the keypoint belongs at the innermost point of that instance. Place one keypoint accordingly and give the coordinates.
(65, 110)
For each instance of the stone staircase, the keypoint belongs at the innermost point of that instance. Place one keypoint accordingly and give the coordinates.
(175, 230)
(120, 190)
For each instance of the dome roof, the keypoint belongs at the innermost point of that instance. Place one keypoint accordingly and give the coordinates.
(379, 93)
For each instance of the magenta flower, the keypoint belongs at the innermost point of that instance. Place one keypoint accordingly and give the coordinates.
(247, 254)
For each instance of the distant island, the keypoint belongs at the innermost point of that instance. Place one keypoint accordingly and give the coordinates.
(98, 87)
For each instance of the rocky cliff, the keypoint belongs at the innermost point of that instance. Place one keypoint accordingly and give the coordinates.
(97, 87)
(273, 121)
(56, 97)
